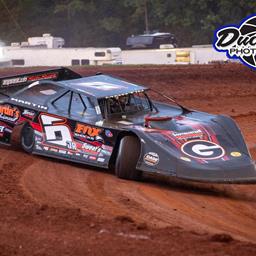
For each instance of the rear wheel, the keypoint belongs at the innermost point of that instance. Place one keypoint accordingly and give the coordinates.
(127, 158)
(27, 138)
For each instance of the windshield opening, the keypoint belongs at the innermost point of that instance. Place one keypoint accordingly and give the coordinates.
(125, 104)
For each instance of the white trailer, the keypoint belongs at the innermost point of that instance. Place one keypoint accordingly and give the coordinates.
(205, 54)
(194, 55)
(46, 40)
(4, 62)
(150, 56)
(30, 57)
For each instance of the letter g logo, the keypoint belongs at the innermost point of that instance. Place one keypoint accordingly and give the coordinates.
(203, 149)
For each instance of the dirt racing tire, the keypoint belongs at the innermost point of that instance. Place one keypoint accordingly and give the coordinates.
(27, 138)
(127, 158)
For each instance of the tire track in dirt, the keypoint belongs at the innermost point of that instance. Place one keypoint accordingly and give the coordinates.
(202, 208)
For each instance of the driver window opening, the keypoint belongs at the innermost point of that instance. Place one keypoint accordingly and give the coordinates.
(74, 104)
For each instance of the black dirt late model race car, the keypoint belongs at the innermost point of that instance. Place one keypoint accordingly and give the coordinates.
(107, 122)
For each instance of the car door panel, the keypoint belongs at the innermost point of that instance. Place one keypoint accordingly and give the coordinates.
(75, 140)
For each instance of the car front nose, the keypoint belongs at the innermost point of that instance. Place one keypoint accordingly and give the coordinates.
(235, 171)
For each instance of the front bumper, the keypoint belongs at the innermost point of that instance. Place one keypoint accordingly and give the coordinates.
(222, 172)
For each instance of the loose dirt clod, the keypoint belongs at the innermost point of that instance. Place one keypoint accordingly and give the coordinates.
(222, 238)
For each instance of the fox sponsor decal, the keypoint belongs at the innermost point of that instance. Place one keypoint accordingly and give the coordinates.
(202, 149)
(9, 113)
(87, 130)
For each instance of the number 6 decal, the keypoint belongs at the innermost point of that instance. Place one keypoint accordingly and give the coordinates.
(56, 132)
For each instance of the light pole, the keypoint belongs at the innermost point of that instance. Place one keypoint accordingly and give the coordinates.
(146, 16)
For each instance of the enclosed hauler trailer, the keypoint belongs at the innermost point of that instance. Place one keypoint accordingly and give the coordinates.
(30, 57)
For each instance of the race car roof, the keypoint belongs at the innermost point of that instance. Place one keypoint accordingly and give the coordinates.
(102, 86)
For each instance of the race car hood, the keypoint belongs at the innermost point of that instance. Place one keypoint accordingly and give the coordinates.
(203, 148)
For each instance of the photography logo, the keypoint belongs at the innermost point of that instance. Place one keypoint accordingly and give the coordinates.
(239, 42)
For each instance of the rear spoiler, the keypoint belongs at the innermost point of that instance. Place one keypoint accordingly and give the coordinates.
(57, 74)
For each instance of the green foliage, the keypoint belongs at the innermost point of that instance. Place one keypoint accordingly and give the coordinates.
(109, 22)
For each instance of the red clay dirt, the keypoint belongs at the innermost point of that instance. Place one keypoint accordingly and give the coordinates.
(50, 207)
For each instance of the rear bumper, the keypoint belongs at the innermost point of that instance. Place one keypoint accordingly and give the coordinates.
(226, 172)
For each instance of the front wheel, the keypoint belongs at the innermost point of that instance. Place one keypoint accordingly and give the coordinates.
(27, 138)
(127, 158)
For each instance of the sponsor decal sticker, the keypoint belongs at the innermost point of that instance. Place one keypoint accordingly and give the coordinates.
(238, 41)
(151, 158)
(87, 130)
(61, 151)
(108, 133)
(38, 147)
(186, 159)
(235, 154)
(54, 150)
(101, 160)
(28, 113)
(24, 79)
(97, 109)
(43, 77)
(71, 145)
(188, 135)
(2, 129)
(11, 81)
(202, 149)
(38, 139)
(91, 148)
(9, 113)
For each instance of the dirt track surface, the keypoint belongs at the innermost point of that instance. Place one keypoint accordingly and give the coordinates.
(48, 207)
